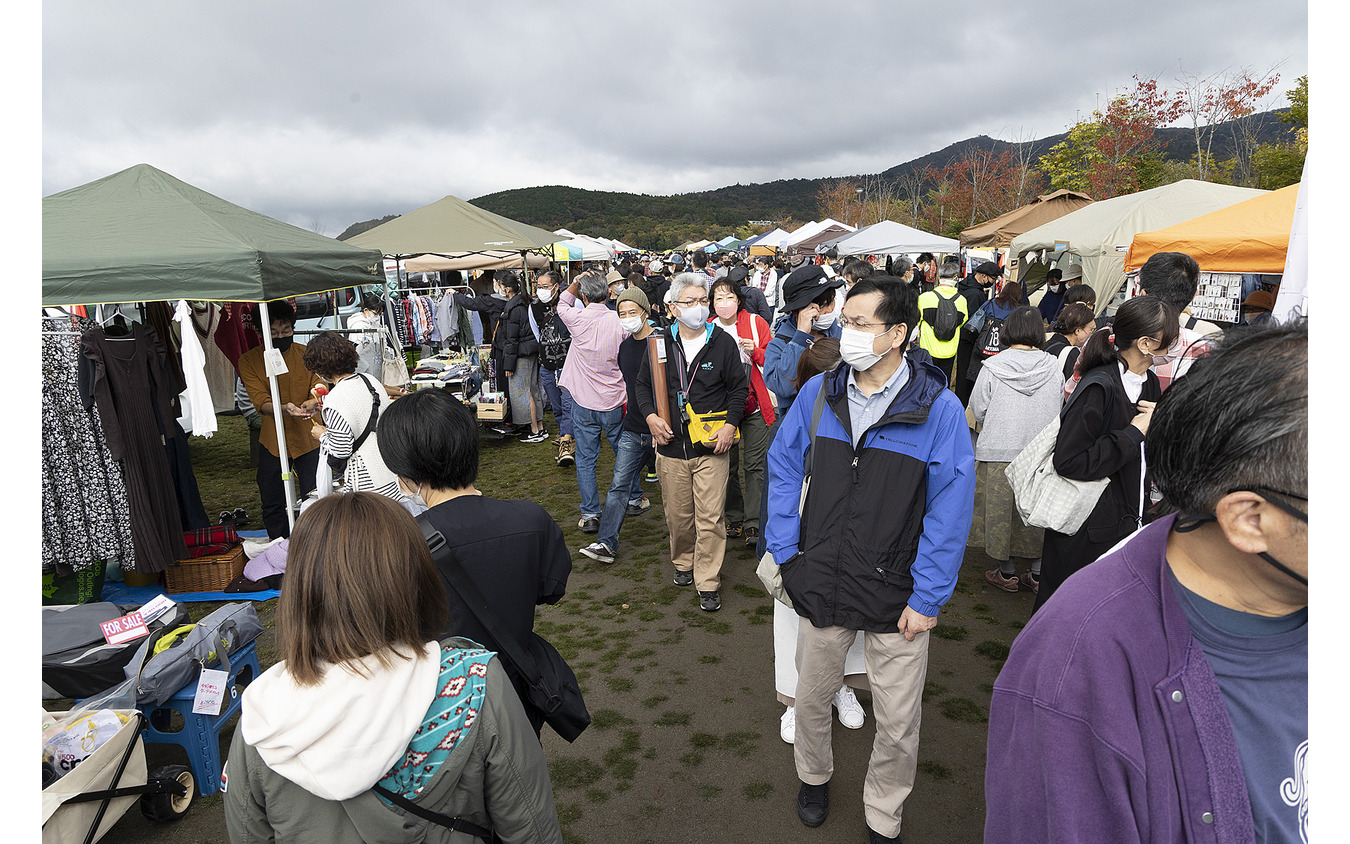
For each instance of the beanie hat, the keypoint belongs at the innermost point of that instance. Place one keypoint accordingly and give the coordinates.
(636, 296)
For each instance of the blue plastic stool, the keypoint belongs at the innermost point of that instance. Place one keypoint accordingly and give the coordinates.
(200, 734)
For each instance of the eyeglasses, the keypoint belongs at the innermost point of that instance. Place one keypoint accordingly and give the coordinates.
(693, 302)
(845, 322)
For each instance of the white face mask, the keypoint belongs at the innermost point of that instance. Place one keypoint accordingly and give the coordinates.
(855, 347)
(824, 321)
(415, 497)
(694, 316)
(633, 324)
(1055, 288)
(545, 293)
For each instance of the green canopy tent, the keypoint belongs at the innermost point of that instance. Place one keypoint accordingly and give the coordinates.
(141, 235)
(454, 230)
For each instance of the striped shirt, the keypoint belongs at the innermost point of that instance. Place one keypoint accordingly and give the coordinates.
(591, 373)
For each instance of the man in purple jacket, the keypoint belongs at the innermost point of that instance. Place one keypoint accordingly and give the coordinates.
(1161, 694)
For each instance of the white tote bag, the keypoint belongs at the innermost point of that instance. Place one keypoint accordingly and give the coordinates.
(1046, 499)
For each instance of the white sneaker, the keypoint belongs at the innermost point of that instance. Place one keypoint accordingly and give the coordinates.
(788, 725)
(851, 713)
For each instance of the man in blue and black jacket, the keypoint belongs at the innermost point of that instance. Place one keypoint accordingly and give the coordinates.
(876, 542)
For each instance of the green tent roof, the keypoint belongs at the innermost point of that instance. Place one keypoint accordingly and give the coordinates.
(451, 226)
(141, 235)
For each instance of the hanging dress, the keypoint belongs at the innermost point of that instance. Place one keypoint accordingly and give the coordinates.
(134, 393)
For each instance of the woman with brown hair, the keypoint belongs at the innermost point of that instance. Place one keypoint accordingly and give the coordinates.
(368, 728)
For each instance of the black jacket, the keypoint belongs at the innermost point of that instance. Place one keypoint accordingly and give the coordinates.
(1096, 440)
(716, 379)
(513, 335)
(756, 304)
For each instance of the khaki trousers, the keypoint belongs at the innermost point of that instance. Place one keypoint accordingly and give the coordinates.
(895, 671)
(694, 492)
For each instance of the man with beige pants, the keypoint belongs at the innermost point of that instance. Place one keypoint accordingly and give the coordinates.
(871, 492)
(703, 377)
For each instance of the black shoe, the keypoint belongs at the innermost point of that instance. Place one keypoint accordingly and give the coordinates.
(874, 837)
(226, 518)
(734, 530)
(684, 578)
(589, 525)
(240, 517)
(813, 804)
(709, 602)
(751, 537)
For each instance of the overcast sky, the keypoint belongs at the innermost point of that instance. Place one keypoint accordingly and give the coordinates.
(323, 114)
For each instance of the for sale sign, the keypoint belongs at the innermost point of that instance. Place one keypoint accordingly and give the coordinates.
(125, 629)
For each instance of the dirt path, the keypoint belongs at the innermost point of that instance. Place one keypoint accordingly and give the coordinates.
(685, 745)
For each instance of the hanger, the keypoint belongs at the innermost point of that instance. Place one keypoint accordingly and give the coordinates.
(118, 322)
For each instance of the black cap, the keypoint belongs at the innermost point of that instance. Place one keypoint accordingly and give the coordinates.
(806, 283)
(737, 275)
(990, 269)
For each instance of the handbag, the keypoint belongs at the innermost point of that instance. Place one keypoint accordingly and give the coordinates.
(1045, 498)
(703, 427)
(551, 687)
(394, 371)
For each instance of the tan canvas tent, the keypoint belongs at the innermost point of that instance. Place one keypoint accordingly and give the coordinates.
(452, 228)
(999, 232)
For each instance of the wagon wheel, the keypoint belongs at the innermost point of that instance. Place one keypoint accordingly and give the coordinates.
(164, 807)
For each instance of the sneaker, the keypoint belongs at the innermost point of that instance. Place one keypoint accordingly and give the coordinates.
(734, 530)
(651, 478)
(1031, 582)
(536, 437)
(1007, 584)
(813, 804)
(637, 508)
(589, 524)
(874, 837)
(599, 552)
(787, 725)
(751, 537)
(709, 601)
(567, 450)
(508, 429)
(851, 713)
(684, 578)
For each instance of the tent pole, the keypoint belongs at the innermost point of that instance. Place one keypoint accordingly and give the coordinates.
(287, 479)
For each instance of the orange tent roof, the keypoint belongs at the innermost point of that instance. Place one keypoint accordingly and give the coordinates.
(1249, 237)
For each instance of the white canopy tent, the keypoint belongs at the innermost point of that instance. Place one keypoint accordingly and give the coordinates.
(891, 238)
(1099, 235)
(811, 230)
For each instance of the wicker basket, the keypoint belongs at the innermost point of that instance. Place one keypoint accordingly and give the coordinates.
(211, 573)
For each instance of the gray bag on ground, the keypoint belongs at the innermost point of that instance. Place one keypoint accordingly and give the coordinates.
(156, 678)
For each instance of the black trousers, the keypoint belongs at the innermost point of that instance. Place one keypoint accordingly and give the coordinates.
(273, 494)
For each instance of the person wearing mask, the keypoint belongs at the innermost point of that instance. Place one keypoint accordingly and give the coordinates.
(1101, 435)
(1017, 393)
(298, 406)
(985, 324)
(625, 496)
(513, 551)
(766, 280)
(752, 337)
(976, 289)
(1053, 297)
(554, 341)
(370, 710)
(877, 543)
(370, 357)
(515, 344)
(617, 284)
(808, 313)
(591, 374)
(487, 307)
(350, 412)
(942, 311)
(1162, 695)
(704, 375)
(1073, 327)
(925, 272)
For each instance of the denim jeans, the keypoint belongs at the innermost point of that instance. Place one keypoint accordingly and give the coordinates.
(558, 399)
(589, 426)
(627, 475)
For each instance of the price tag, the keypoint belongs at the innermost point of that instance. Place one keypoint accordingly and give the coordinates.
(210, 692)
(273, 361)
(125, 629)
(154, 609)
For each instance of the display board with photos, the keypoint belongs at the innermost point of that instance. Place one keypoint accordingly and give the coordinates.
(1218, 297)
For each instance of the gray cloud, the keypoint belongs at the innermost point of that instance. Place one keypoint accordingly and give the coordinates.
(327, 113)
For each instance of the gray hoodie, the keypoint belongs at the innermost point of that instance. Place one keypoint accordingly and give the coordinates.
(1016, 394)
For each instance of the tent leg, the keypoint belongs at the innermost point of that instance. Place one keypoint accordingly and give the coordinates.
(287, 479)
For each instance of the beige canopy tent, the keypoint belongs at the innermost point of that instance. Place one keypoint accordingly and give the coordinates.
(999, 232)
(1099, 234)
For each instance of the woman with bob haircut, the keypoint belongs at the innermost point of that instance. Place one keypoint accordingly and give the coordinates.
(369, 728)
(1072, 327)
(1017, 393)
(1101, 434)
(513, 551)
(347, 409)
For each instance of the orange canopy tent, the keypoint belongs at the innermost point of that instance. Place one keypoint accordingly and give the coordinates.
(1249, 237)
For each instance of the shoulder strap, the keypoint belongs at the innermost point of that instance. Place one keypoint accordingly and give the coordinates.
(510, 650)
(816, 410)
(534, 324)
(374, 414)
(458, 824)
